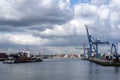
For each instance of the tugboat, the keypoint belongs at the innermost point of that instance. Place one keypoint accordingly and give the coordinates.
(21, 57)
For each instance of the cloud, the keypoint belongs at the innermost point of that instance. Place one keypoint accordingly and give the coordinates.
(99, 3)
(32, 23)
(30, 12)
(100, 19)
(22, 39)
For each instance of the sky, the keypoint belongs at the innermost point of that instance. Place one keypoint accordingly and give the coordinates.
(56, 23)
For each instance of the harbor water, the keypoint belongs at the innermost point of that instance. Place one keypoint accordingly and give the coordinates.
(58, 69)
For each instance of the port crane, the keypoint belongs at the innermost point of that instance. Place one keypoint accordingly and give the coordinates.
(93, 44)
(114, 52)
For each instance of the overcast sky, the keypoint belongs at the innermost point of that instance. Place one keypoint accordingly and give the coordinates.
(56, 23)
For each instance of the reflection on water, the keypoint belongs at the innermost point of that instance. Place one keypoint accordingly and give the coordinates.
(58, 69)
(116, 70)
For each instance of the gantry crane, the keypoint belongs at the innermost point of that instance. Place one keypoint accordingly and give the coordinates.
(93, 44)
(115, 53)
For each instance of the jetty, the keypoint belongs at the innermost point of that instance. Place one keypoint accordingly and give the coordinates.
(104, 62)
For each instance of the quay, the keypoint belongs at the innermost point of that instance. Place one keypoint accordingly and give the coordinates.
(103, 62)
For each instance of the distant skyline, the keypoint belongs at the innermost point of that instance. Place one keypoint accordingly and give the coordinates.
(56, 23)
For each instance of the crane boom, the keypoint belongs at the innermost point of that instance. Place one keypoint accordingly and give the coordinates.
(87, 33)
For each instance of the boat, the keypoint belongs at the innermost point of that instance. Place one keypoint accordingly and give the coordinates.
(21, 57)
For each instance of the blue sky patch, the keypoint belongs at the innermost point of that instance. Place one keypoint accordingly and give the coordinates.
(73, 2)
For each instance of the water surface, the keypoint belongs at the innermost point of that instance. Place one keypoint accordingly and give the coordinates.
(58, 69)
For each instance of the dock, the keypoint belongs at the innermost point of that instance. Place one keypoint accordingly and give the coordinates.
(103, 62)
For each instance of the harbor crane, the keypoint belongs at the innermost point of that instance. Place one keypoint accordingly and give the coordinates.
(93, 44)
(114, 52)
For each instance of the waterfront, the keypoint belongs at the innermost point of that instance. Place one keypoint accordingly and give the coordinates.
(58, 69)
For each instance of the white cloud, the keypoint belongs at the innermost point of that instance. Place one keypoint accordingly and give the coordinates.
(100, 20)
(114, 5)
(99, 2)
(103, 12)
(55, 23)
(23, 39)
(115, 14)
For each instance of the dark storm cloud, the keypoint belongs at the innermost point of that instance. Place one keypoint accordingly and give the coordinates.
(66, 40)
(29, 16)
(9, 29)
(36, 20)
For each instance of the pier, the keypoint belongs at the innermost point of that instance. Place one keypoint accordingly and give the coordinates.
(104, 62)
